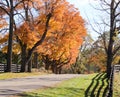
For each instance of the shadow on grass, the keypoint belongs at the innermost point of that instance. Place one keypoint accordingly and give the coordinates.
(61, 92)
(98, 86)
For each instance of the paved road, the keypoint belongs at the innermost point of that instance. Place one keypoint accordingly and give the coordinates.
(18, 85)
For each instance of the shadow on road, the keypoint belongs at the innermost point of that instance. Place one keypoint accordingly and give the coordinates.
(98, 86)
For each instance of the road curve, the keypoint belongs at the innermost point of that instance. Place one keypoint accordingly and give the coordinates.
(18, 85)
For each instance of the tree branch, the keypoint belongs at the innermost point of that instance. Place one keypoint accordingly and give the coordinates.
(4, 10)
(7, 3)
(116, 5)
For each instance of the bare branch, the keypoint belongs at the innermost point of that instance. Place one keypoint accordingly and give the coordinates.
(4, 30)
(117, 4)
(19, 3)
(4, 10)
(2, 4)
(101, 9)
(7, 3)
(117, 15)
(104, 42)
(17, 13)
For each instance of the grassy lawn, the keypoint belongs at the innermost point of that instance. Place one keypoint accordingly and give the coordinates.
(92, 85)
(18, 75)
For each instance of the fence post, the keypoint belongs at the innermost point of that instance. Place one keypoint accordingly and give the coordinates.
(4, 67)
(110, 92)
(17, 67)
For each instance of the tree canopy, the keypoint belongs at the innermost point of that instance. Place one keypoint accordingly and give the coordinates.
(51, 28)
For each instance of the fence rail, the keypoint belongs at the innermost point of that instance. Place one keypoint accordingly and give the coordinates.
(14, 68)
(117, 68)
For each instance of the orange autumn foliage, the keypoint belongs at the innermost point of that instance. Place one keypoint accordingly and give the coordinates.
(3, 23)
(26, 35)
(98, 59)
(65, 34)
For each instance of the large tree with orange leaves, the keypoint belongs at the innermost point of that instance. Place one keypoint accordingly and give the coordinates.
(36, 30)
(64, 38)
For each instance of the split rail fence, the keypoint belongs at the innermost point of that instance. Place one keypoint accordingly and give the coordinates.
(14, 68)
(115, 69)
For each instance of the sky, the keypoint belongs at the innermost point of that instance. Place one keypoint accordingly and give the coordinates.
(88, 13)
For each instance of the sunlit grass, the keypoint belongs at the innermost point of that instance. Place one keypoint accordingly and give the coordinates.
(75, 87)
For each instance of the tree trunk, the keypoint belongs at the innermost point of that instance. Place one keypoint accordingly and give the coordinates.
(46, 61)
(47, 66)
(10, 40)
(30, 66)
(30, 52)
(111, 41)
(54, 68)
(35, 60)
(109, 59)
(23, 58)
(60, 69)
(108, 68)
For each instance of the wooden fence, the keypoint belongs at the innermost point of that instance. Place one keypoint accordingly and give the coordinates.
(14, 68)
(115, 68)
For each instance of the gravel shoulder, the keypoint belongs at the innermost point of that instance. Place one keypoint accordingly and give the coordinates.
(18, 85)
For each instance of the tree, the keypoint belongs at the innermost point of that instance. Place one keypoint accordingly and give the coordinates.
(39, 31)
(52, 17)
(111, 7)
(114, 14)
(98, 60)
(25, 34)
(7, 7)
(4, 6)
(82, 61)
(66, 26)
(44, 10)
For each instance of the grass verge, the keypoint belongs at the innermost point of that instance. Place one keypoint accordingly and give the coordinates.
(93, 85)
(4, 76)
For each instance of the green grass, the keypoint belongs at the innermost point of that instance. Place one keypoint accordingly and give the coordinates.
(84, 86)
(4, 76)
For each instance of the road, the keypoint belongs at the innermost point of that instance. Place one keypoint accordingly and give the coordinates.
(18, 85)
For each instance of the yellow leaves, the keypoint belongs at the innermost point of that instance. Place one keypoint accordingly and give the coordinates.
(16, 49)
(3, 23)
(116, 60)
(54, 26)
(4, 49)
(65, 34)
(27, 35)
(30, 3)
(4, 39)
(98, 59)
